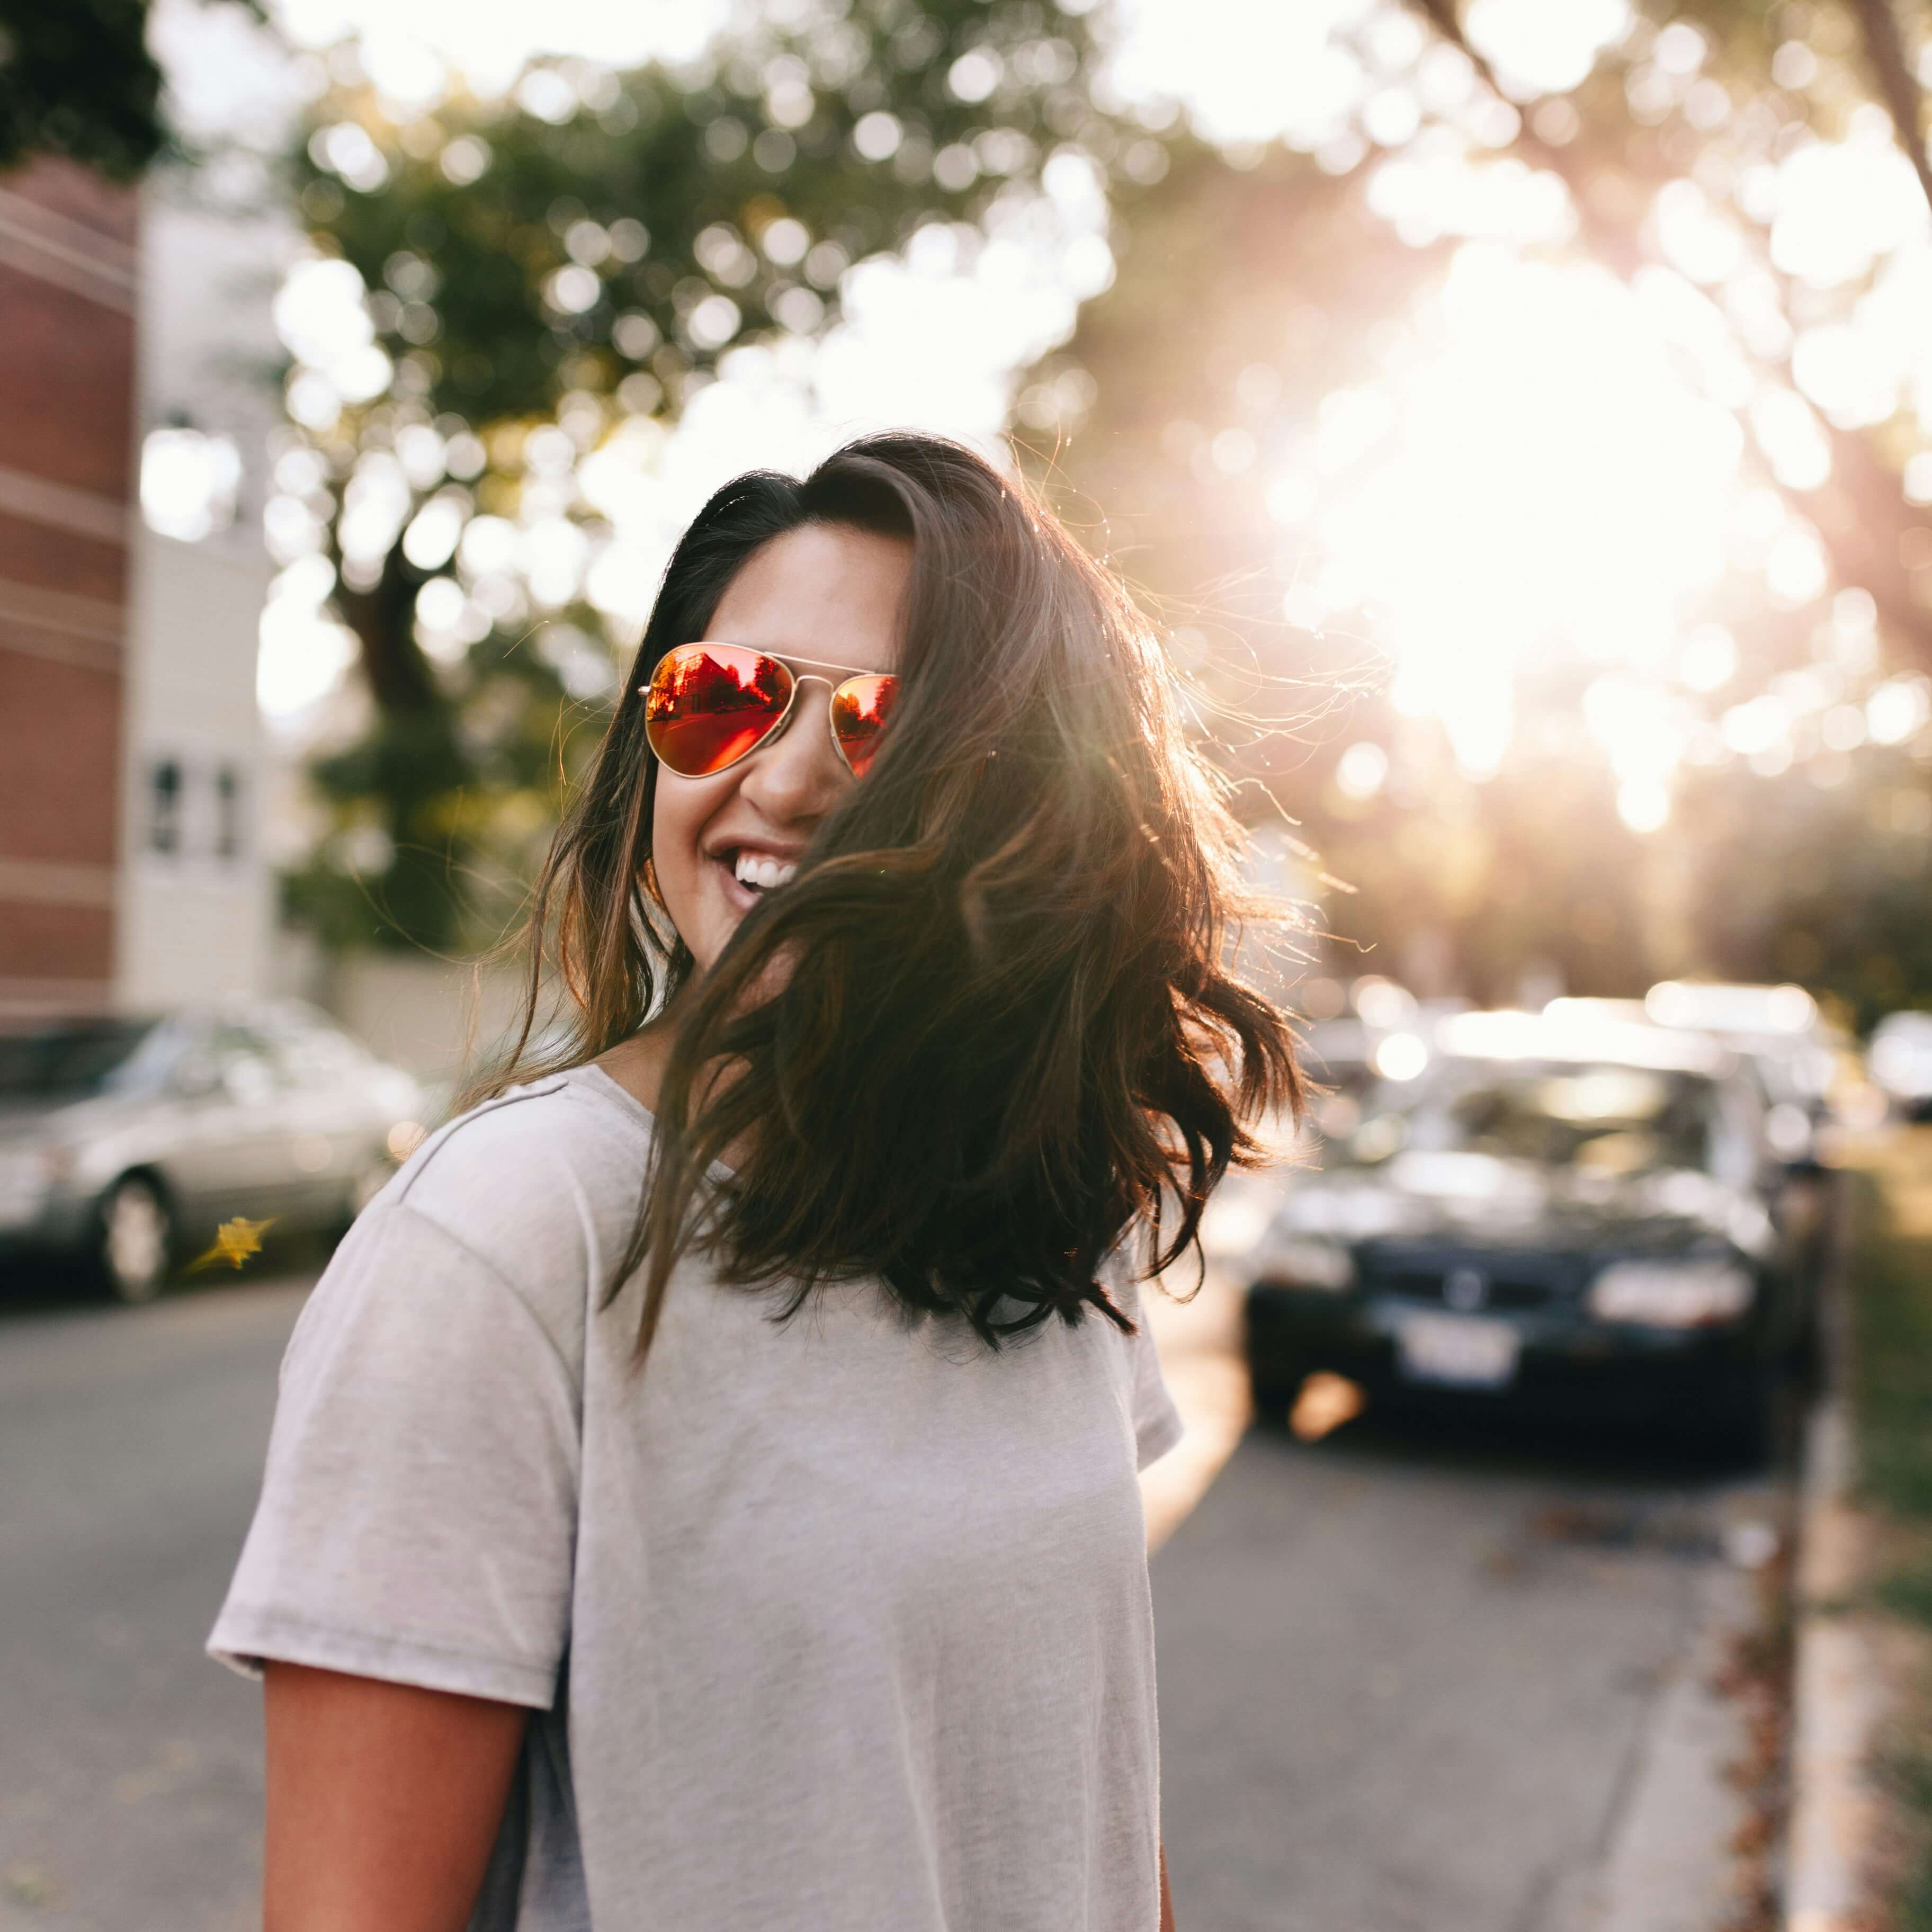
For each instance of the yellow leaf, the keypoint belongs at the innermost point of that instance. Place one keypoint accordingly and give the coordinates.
(235, 1241)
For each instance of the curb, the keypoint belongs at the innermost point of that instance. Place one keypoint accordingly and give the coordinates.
(1838, 1692)
(1669, 1862)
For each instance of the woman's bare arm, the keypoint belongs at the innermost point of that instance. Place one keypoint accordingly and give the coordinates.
(1166, 1898)
(383, 1801)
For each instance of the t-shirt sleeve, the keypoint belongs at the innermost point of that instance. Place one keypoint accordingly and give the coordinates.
(418, 1516)
(1157, 1424)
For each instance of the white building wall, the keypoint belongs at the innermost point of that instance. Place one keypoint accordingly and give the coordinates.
(197, 891)
(197, 897)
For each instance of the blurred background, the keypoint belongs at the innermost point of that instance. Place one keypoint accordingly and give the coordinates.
(1517, 415)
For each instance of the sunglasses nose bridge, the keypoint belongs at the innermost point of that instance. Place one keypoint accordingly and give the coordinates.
(783, 723)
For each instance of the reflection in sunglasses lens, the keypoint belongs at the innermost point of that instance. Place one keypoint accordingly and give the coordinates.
(707, 707)
(860, 707)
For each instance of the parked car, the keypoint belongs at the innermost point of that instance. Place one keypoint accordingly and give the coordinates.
(1794, 1055)
(1777, 1031)
(1900, 1060)
(1567, 1214)
(125, 1142)
(1789, 1045)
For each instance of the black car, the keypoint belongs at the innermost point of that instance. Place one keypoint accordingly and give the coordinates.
(1568, 1217)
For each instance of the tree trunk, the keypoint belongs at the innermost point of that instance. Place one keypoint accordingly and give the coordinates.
(399, 676)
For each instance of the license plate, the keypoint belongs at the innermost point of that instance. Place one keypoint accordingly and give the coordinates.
(1464, 1351)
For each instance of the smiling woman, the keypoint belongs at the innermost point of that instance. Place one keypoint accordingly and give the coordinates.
(892, 920)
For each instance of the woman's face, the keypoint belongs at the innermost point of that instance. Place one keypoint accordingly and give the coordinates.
(824, 592)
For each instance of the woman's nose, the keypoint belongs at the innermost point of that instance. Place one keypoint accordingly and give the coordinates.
(798, 774)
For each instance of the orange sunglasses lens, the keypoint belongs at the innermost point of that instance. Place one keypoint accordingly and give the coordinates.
(708, 705)
(860, 708)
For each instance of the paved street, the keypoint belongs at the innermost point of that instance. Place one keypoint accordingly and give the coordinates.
(1407, 1680)
(1416, 1682)
(130, 1773)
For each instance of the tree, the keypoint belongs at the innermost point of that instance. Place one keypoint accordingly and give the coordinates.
(77, 79)
(538, 281)
(1859, 508)
(1841, 905)
(1251, 294)
(541, 283)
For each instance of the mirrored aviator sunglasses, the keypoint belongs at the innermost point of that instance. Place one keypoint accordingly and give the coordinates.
(707, 705)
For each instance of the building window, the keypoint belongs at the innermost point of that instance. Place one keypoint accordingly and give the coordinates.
(227, 812)
(164, 805)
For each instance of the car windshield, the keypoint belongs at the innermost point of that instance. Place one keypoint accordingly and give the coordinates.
(70, 1059)
(1603, 1118)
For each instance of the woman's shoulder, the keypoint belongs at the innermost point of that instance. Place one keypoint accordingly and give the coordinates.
(542, 1181)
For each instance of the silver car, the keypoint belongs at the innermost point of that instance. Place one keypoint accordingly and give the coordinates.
(124, 1142)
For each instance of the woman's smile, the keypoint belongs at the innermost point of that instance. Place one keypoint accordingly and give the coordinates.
(755, 870)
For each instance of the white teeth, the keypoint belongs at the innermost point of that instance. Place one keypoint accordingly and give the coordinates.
(752, 870)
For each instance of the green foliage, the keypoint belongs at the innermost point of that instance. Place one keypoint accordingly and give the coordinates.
(582, 256)
(1824, 882)
(1891, 1300)
(1908, 1594)
(77, 79)
(1890, 1291)
(678, 153)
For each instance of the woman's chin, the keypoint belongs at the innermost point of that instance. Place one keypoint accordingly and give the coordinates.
(725, 904)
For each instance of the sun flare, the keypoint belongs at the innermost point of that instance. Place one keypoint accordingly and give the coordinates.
(1531, 476)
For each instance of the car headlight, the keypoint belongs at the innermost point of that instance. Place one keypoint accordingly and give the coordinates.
(1303, 1261)
(1671, 1294)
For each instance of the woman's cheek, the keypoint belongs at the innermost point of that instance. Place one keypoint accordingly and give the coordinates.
(674, 856)
(682, 810)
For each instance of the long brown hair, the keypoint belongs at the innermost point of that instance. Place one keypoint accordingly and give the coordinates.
(988, 1029)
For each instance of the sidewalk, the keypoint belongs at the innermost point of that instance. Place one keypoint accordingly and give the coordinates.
(1667, 1859)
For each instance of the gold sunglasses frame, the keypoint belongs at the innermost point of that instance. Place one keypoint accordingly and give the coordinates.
(778, 723)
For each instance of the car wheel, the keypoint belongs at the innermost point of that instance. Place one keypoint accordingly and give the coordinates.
(136, 1240)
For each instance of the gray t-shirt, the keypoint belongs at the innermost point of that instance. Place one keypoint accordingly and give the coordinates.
(838, 1624)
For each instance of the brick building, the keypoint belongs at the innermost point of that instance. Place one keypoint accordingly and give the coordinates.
(132, 874)
(68, 279)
